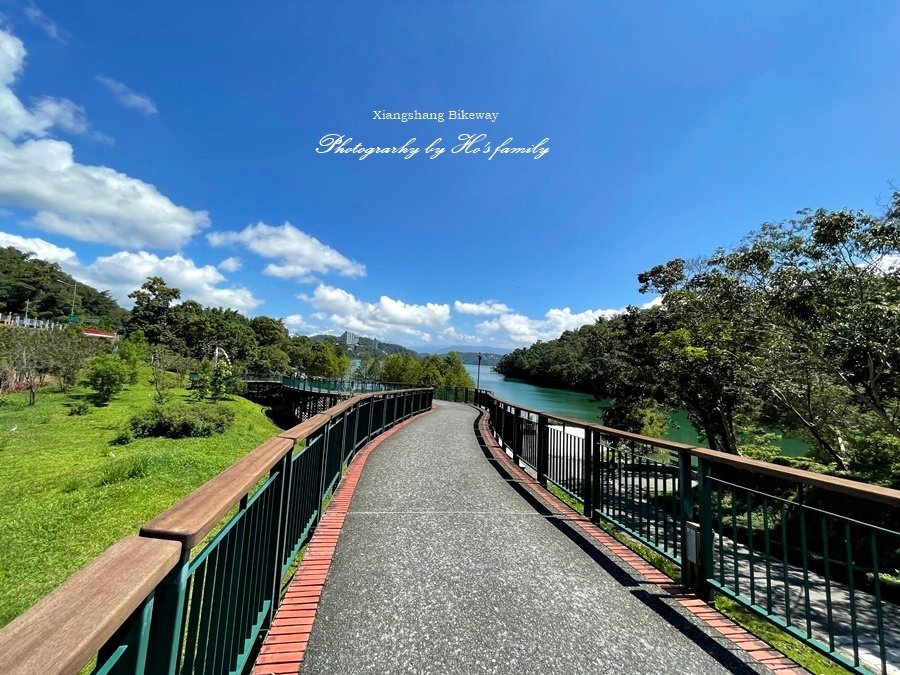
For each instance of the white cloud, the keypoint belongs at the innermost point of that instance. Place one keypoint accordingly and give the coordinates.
(296, 322)
(298, 255)
(36, 17)
(655, 302)
(452, 335)
(486, 308)
(41, 248)
(88, 203)
(522, 330)
(387, 316)
(123, 272)
(231, 264)
(127, 97)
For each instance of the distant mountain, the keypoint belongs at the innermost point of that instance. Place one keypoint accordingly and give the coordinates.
(487, 360)
(365, 344)
(460, 349)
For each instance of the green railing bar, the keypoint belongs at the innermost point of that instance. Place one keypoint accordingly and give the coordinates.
(827, 584)
(851, 593)
(878, 609)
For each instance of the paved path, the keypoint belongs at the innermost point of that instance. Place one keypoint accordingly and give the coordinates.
(442, 567)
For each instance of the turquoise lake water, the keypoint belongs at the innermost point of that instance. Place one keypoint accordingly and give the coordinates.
(584, 407)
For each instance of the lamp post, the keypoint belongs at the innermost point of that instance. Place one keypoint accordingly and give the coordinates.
(478, 374)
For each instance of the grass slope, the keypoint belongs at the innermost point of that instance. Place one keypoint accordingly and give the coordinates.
(67, 494)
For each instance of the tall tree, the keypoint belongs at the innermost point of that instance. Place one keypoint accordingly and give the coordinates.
(152, 312)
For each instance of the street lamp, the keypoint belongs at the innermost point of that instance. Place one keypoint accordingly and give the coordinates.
(478, 374)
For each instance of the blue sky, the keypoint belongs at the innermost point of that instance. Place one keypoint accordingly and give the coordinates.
(180, 139)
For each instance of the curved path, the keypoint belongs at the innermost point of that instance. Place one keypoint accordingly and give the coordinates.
(442, 567)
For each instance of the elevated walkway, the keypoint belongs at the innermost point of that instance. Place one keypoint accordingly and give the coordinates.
(443, 566)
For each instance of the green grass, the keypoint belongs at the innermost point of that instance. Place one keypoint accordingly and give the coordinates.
(768, 632)
(67, 494)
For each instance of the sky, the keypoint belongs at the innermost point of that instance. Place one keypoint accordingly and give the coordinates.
(196, 141)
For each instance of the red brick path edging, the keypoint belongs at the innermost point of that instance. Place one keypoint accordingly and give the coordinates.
(285, 645)
(708, 615)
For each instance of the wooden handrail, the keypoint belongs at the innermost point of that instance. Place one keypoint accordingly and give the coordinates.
(196, 515)
(846, 486)
(65, 629)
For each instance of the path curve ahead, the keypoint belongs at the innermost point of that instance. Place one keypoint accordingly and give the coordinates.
(442, 567)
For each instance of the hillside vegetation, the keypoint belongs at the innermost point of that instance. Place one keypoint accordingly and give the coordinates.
(797, 328)
(68, 492)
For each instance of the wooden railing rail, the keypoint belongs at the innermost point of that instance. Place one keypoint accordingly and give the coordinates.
(67, 628)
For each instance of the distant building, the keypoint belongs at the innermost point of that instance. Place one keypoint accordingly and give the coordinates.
(350, 339)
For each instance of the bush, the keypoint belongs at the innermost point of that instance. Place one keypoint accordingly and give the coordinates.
(181, 421)
(106, 376)
(124, 437)
(79, 408)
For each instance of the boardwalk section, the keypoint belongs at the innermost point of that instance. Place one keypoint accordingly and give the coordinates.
(443, 567)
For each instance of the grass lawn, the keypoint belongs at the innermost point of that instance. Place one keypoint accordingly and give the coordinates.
(67, 494)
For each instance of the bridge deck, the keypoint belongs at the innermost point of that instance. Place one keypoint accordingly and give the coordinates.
(442, 566)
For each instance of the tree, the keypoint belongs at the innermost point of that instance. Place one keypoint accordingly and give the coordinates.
(133, 351)
(152, 312)
(106, 375)
(162, 360)
(68, 351)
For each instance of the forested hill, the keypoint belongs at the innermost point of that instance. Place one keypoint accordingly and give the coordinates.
(48, 291)
(797, 328)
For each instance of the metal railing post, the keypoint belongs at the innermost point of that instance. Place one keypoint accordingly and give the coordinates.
(706, 529)
(596, 479)
(166, 626)
(587, 472)
(543, 449)
(276, 525)
(517, 436)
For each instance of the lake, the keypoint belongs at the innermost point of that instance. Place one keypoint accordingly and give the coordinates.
(584, 407)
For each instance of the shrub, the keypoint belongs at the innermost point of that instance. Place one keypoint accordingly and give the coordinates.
(106, 376)
(79, 408)
(181, 421)
(124, 437)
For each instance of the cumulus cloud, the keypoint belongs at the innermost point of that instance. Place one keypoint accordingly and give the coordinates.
(452, 335)
(522, 330)
(231, 264)
(386, 316)
(123, 272)
(37, 18)
(296, 322)
(41, 248)
(127, 97)
(88, 203)
(486, 308)
(298, 255)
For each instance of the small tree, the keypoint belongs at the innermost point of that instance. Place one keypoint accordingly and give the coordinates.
(106, 376)
(133, 351)
(160, 363)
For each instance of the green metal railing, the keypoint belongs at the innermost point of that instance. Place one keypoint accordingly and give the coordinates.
(341, 385)
(144, 608)
(816, 555)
